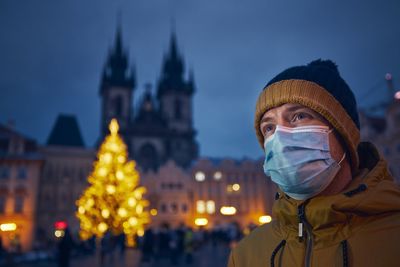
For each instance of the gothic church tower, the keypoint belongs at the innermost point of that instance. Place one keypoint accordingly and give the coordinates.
(175, 94)
(117, 85)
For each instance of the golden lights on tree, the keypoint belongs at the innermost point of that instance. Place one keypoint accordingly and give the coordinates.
(114, 200)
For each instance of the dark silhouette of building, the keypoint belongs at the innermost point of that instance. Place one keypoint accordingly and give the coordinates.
(160, 128)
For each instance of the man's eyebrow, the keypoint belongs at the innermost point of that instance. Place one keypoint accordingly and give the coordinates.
(291, 108)
(266, 119)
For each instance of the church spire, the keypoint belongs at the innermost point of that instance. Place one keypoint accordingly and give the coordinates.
(117, 71)
(173, 69)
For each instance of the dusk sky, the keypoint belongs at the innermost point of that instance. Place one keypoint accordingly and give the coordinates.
(52, 55)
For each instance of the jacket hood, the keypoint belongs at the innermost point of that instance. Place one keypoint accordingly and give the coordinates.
(372, 192)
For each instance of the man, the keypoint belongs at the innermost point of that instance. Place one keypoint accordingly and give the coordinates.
(337, 204)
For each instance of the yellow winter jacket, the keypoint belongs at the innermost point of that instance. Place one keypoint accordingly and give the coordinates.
(359, 227)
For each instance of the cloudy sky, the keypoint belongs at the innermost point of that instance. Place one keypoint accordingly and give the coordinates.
(52, 54)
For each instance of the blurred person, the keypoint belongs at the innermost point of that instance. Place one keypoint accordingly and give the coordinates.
(173, 246)
(64, 248)
(106, 248)
(148, 244)
(121, 239)
(188, 245)
(163, 239)
(337, 204)
(181, 231)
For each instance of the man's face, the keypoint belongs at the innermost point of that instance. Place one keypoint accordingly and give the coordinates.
(296, 115)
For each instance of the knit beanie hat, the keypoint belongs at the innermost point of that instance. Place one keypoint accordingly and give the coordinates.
(319, 87)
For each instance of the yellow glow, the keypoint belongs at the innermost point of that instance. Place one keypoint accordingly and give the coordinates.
(125, 225)
(131, 202)
(105, 213)
(113, 127)
(229, 188)
(110, 189)
(133, 221)
(153, 212)
(102, 171)
(6, 227)
(265, 219)
(200, 206)
(81, 210)
(102, 227)
(201, 221)
(210, 207)
(140, 232)
(121, 159)
(122, 212)
(139, 192)
(59, 233)
(200, 176)
(120, 175)
(139, 209)
(228, 210)
(89, 203)
(235, 187)
(107, 157)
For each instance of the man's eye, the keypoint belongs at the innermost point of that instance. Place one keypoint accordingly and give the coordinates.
(300, 116)
(268, 129)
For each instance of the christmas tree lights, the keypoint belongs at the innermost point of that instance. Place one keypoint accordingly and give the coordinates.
(114, 199)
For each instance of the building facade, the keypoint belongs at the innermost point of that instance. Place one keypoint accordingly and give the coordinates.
(231, 191)
(170, 193)
(212, 193)
(67, 164)
(20, 168)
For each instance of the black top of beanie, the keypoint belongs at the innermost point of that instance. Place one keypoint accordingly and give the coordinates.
(325, 73)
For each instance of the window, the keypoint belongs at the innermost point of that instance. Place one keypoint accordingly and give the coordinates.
(4, 172)
(21, 173)
(210, 207)
(200, 206)
(19, 204)
(184, 208)
(174, 208)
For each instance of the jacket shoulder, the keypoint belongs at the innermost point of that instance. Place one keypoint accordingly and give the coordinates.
(256, 248)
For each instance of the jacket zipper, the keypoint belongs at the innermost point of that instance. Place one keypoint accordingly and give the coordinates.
(304, 225)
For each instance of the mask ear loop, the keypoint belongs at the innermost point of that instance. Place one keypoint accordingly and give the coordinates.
(344, 154)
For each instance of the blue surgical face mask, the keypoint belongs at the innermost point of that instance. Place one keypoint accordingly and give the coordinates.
(298, 160)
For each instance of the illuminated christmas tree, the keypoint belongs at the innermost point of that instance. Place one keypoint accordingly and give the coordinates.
(114, 200)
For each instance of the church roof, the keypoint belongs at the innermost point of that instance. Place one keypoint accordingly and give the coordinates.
(66, 132)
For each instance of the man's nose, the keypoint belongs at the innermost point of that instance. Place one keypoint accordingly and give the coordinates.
(283, 122)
